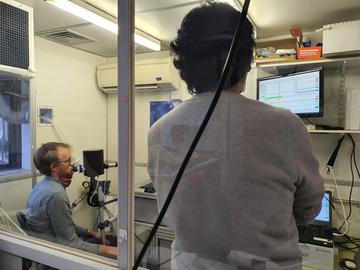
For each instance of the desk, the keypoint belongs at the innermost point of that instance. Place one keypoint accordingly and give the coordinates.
(146, 214)
(342, 255)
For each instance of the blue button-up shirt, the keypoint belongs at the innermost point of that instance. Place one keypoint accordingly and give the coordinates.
(49, 216)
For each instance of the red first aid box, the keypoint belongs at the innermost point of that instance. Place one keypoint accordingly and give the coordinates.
(309, 52)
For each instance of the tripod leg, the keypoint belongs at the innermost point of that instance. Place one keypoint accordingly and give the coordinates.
(101, 226)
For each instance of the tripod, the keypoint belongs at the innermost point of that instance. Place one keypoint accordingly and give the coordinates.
(96, 198)
(94, 166)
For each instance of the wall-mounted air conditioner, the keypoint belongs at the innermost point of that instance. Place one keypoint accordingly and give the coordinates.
(16, 38)
(150, 75)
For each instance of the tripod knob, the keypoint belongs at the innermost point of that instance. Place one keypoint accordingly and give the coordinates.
(103, 225)
(106, 223)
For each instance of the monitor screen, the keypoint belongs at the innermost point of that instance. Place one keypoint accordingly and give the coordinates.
(324, 215)
(300, 92)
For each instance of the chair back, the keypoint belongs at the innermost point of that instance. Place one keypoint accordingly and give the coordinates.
(21, 218)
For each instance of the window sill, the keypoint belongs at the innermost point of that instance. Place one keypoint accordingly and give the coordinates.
(15, 174)
(52, 254)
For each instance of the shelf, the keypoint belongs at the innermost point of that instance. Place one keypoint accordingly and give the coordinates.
(324, 62)
(338, 131)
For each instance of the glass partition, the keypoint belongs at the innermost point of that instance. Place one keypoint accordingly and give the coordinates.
(236, 202)
(79, 142)
(57, 168)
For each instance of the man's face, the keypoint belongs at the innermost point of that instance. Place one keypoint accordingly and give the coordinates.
(63, 167)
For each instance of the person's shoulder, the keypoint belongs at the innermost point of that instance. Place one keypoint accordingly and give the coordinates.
(275, 115)
(57, 197)
(269, 109)
(51, 187)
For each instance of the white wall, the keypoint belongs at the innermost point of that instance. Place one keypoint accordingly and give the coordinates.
(142, 122)
(66, 82)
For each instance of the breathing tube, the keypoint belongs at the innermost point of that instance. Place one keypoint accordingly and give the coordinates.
(219, 88)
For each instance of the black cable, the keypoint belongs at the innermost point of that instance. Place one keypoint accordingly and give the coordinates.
(348, 240)
(331, 203)
(331, 162)
(352, 158)
(223, 77)
(352, 183)
(354, 145)
(351, 240)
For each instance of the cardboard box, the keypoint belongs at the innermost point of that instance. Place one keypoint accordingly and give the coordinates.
(309, 52)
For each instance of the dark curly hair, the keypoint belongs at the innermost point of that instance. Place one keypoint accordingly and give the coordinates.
(202, 44)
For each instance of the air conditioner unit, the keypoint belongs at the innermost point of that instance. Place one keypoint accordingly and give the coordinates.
(150, 75)
(16, 38)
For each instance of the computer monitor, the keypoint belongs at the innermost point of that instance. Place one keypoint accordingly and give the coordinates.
(324, 217)
(301, 92)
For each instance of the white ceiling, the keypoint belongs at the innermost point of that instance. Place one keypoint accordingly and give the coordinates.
(162, 18)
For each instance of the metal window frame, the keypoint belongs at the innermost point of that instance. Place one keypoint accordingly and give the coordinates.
(126, 55)
(45, 253)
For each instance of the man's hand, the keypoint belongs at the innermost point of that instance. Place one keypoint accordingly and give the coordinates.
(108, 237)
(95, 234)
(98, 234)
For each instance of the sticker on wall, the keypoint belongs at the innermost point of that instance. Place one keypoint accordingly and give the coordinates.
(45, 116)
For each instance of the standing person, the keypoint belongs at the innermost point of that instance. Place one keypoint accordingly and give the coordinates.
(253, 176)
(49, 214)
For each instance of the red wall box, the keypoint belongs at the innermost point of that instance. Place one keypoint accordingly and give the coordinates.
(309, 52)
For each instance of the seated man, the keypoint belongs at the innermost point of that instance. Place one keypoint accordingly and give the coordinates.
(48, 214)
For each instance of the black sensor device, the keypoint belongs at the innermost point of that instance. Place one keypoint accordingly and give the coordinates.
(93, 162)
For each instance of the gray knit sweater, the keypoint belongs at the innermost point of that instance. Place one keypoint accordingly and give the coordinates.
(252, 178)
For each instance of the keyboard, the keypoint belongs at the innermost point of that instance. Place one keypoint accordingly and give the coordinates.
(317, 235)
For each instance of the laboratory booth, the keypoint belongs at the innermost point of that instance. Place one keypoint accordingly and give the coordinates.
(179, 134)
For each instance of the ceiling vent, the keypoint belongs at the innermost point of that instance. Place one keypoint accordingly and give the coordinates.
(66, 36)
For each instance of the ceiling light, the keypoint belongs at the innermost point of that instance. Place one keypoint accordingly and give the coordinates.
(140, 37)
(147, 41)
(85, 14)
